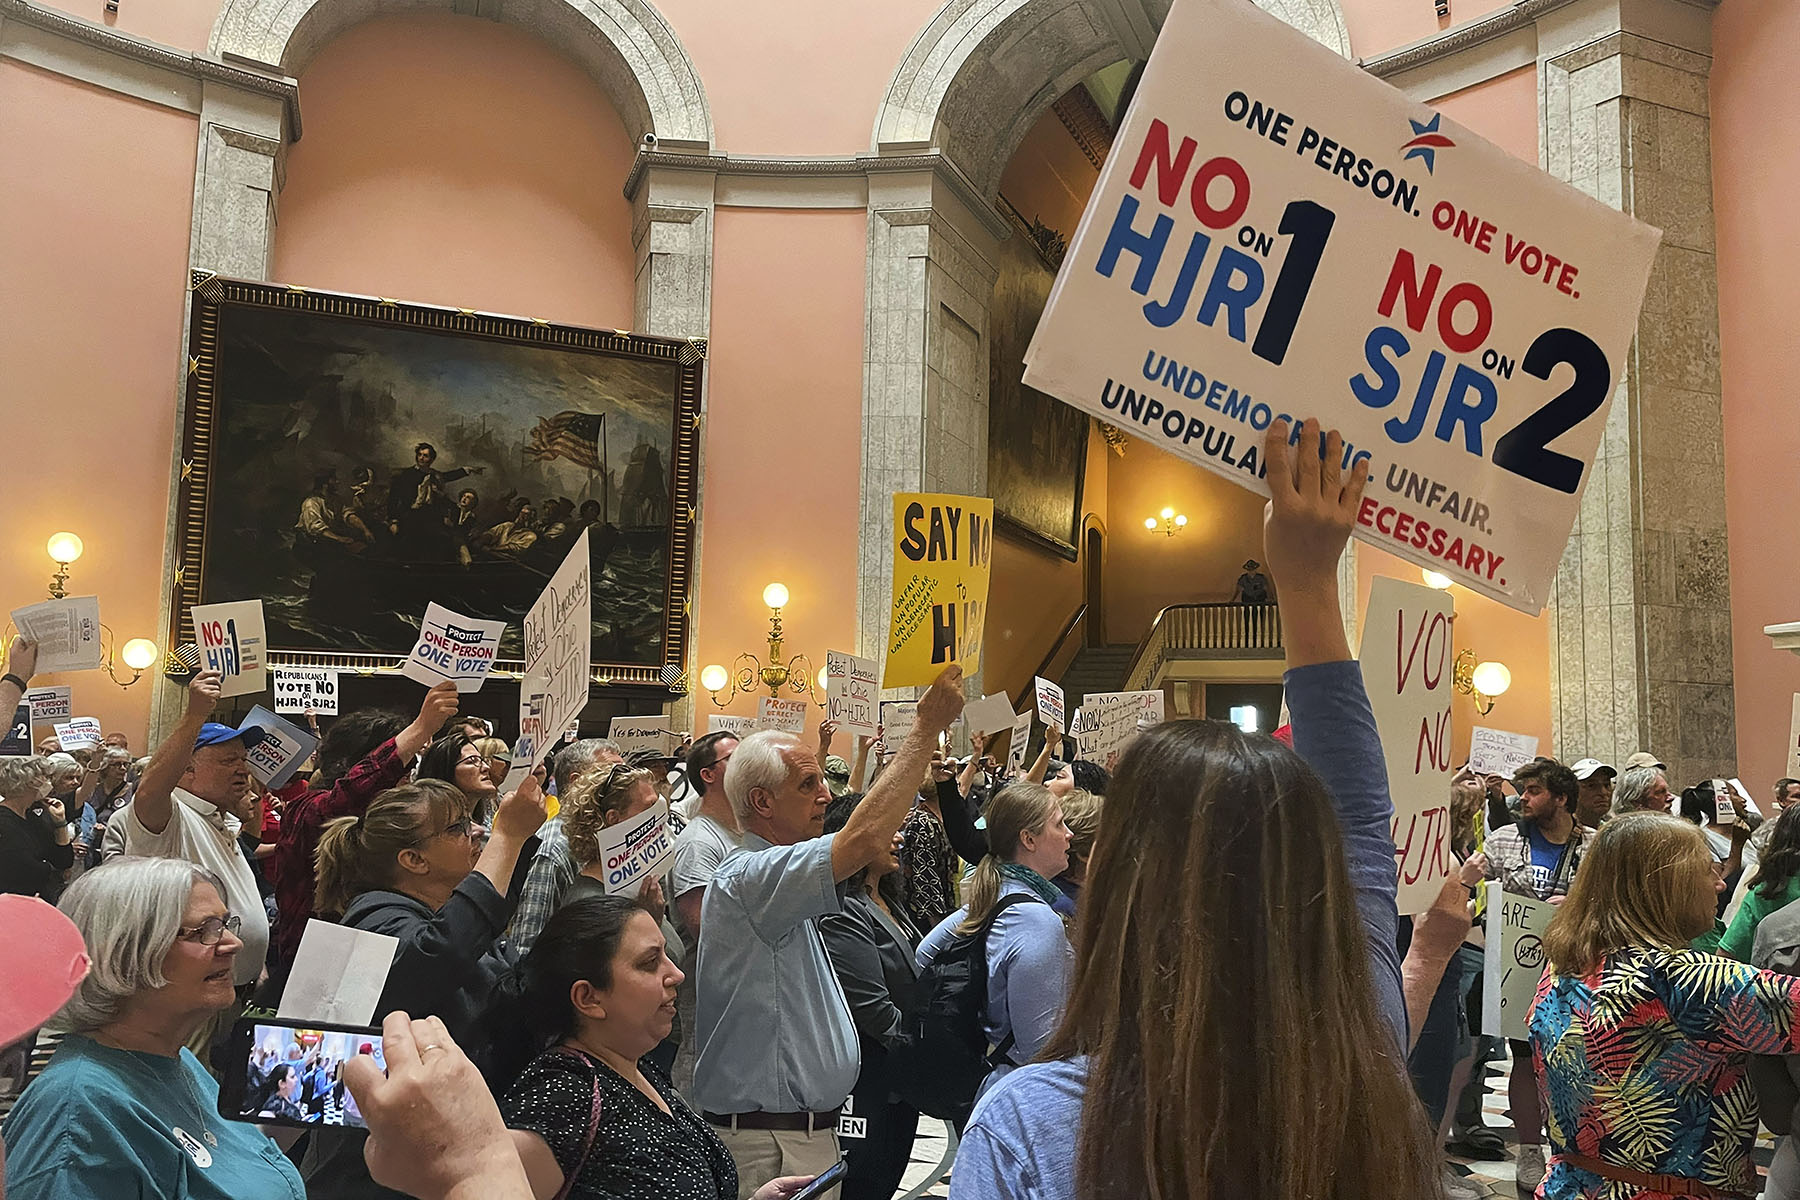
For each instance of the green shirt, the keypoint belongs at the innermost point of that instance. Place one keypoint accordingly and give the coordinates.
(1739, 939)
(128, 1126)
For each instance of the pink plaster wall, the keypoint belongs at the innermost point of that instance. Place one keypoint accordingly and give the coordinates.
(94, 237)
(783, 480)
(1756, 175)
(185, 24)
(454, 160)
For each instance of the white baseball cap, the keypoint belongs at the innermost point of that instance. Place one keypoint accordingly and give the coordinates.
(1588, 766)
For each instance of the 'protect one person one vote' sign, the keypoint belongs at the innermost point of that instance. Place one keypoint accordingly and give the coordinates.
(1278, 233)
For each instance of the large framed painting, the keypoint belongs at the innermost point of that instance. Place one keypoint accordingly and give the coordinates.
(350, 459)
(1037, 446)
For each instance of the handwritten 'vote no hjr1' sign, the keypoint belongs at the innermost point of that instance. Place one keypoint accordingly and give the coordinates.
(1278, 233)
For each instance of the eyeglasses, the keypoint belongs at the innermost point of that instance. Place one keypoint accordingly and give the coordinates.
(458, 829)
(210, 931)
(479, 761)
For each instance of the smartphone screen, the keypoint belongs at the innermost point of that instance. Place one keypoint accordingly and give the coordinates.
(292, 1072)
(832, 1176)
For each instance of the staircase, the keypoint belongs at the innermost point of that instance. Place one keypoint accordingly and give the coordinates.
(1095, 669)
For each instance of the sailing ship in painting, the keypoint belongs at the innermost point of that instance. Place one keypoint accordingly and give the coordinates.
(374, 470)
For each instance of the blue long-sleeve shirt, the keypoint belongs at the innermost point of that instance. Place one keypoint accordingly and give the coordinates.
(1021, 1142)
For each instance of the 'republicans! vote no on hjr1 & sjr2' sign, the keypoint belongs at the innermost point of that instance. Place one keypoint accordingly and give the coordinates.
(1278, 233)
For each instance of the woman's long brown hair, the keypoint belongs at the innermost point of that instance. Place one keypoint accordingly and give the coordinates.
(1222, 991)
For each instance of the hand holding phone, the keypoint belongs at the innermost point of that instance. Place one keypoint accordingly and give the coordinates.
(781, 1189)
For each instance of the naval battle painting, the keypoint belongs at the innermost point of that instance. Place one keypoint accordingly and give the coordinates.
(350, 460)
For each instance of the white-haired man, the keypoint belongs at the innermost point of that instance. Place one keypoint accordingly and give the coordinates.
(778, 1051)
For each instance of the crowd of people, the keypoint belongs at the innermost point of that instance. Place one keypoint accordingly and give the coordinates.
(1185, 978)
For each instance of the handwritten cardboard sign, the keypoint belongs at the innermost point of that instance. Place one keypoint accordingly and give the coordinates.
(643, 733)
(66, 631)
(634, 850)
(1497, 752)
(1021, 738)
(1514, 961)
(558, 630)
(280, 749)
(1406, 662)
(1277, 227)
(779, 712)
(852, 692)
(1106, 721)
(942, 551)
(50, 703)
(232, 642)
(81, 733)
(453, 647)
(741, 727)
(300, 688)
(1049, 702)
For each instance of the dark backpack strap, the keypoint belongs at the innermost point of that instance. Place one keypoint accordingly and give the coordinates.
(999, 1053)
(593, 1128)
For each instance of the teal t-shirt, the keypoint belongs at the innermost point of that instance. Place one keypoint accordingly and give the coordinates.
(130, 1126)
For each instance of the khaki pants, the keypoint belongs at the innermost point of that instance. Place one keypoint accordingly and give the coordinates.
(765, 1154)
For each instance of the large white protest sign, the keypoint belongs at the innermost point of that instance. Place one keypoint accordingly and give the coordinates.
(279, 749)
(1108, 720)
(776, 712)
(1515, 961)
(558, 631)
(643, 733)
(1497, 752)
(1021, 738)
(852, 692)
(50, 703)
(453, 647)
(298, 689)
(81, 733)
(1049, 702)
(67, 633)
(634, 850)
(1278, 232)
(1406, 664)
(989, 715)
(741, 727)
(231, 641)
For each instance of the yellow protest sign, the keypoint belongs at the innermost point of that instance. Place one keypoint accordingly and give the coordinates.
(942, 551)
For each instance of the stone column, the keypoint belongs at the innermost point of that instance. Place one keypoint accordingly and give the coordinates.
(1641, 647)
(931, 278)
(671, 237)
(238, 173)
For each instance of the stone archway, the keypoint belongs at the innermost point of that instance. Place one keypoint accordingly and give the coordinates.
(624, 45)
(973, 82)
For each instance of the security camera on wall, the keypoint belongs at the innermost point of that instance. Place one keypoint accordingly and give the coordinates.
(649, 141)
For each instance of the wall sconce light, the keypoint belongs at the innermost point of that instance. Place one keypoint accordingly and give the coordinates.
(1435, 580)
(137, 655)
(1170, 524)
(749, 672)
(1482, 682)
(64, 549)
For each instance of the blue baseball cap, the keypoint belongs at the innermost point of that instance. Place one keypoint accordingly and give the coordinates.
(214, 734)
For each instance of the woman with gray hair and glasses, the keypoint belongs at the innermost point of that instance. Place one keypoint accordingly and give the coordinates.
(36, 843)
(123, 1109)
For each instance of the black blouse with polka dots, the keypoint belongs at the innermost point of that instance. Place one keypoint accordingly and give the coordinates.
(640, 1152)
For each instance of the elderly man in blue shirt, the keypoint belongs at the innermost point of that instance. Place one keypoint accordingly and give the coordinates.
(778, 1052)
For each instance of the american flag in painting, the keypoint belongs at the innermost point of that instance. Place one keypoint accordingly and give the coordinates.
(569, 434)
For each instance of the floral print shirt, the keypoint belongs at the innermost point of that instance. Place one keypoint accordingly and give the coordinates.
(1643, 1064)
(926, 866)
